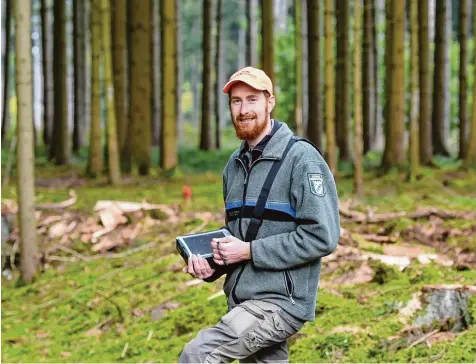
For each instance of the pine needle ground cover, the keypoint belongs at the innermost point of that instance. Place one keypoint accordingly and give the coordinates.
(132, 303)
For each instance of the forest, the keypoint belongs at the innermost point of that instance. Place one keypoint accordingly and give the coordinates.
(115, 132)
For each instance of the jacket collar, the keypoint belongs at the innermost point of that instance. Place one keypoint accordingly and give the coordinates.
(275, 146)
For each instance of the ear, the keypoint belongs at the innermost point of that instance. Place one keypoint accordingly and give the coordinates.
(271, 103)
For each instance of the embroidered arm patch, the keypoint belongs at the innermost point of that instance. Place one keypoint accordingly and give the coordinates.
(316, 184)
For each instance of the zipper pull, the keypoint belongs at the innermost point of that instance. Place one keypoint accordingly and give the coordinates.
(291, 297)
(246, 180)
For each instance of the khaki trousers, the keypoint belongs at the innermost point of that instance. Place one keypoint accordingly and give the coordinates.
(253, 332)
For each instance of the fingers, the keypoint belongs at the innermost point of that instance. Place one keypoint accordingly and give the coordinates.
(201, 267)
(190, 266)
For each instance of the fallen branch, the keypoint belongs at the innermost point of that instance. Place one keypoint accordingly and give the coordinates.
(74, 253)
(423, 338)
(59, 205)
(379, 238)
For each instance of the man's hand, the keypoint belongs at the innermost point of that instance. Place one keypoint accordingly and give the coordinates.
(229, 250)
(198, 267)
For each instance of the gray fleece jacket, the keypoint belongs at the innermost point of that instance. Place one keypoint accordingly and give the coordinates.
(301, 225)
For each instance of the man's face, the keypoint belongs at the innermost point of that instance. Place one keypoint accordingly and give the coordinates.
(249, 110)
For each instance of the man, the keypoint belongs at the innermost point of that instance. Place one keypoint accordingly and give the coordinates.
(271, 281)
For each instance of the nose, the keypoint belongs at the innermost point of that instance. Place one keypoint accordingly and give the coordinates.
(243, 109)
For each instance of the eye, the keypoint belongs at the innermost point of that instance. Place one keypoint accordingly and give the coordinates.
(253, 99)
(235, 102)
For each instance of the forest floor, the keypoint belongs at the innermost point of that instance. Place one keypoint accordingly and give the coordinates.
(111, 287)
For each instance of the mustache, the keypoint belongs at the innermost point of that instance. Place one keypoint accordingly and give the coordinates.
(246, 116)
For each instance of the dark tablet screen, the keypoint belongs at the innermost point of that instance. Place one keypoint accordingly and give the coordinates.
(200, 244)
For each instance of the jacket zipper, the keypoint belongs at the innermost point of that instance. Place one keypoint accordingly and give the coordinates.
(245, 188)
(288, 283)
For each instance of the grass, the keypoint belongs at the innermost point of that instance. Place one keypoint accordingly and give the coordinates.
(100, 311)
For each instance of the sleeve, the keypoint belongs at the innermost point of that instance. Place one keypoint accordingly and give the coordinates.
(314, 196)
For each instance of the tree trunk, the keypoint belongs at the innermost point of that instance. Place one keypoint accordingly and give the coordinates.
(439, 83)
(329, 89)
(377, 118)
(25, 154)
(79, 62)
(47, 55)
(60, 142)
(140, 110)
(463, 76)
(315, 122)
(168, 144)
(155, 79)
(298, 100)
(425, 141)
(470, 160)
(342, 83)
(358, 140)
(305, 68)
(95, 160)
(219, 106)
(119, 64)
(414, 92)
(389, 21)
(368, 77)
(6, 70)
(251, 33)
(241, 32)
(179, 68)
(267, 39)
(206, 129)
(112, 142)
(395, 156)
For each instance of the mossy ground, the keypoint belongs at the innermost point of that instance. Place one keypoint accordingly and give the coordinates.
(53, 319)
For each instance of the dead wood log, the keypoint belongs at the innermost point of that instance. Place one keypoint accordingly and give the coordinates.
(59, 205)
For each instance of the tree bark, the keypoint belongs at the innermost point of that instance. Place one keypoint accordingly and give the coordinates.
(251, 33)
(470, 160)
(329, 89)
(425, 140)
(315, 119)
(240, 15)
(298, 99)
(6, 70)
(206, 128)
(368, 77)
(377, 105)
(439, 84)
(394, 145)
(47, 56)
(267, 39)
(342, 82)
(219, 106)
(25, 154)
(155, 79)
(119, 64)
(414, 92)
(179, 68)
(358, 140)
(463, 76)
(79, 64)
(389, 21)
(95, 160)
(112, 142)
(60, 142)
(168, 144)
(305, 67)
(140, 109)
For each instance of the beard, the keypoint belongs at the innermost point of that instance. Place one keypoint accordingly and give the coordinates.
(250, 130)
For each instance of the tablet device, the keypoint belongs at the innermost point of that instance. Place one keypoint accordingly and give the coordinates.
(199, 243)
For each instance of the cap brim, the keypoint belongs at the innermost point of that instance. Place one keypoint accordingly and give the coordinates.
(228, 86)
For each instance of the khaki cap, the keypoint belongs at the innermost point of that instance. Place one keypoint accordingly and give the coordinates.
(254, 77)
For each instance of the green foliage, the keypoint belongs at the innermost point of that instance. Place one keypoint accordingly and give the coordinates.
(285, 86)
